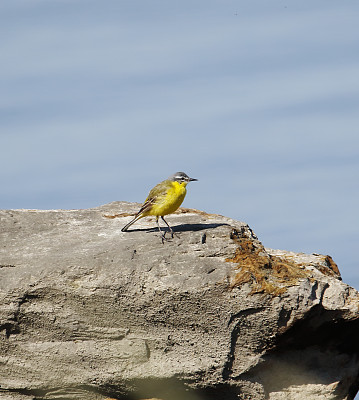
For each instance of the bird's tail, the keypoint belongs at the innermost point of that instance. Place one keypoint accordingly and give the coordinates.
(137, 217)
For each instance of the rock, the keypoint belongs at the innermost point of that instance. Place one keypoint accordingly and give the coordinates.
(89, 312)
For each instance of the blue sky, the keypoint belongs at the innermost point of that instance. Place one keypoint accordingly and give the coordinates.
(257, 99)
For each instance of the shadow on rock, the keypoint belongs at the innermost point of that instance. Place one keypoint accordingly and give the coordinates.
(180, 228)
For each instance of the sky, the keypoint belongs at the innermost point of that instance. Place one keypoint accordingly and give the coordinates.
(258, 99)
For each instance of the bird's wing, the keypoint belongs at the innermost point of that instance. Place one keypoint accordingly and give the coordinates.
(155, 194)
(146, 206)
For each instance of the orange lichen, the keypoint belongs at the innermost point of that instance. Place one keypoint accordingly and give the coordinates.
(267, 274)
(330, 268)
(184, 210)
(119, 215)
(181, 210)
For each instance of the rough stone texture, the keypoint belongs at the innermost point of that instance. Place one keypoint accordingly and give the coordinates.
(90, 312)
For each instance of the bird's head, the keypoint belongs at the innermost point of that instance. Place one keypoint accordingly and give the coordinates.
(181, 177)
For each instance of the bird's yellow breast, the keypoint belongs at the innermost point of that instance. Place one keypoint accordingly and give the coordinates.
(170, 200)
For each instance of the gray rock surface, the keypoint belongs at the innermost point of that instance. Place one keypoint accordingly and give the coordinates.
(90, 312)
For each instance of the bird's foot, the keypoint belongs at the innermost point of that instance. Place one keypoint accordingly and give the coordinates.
(163, 238)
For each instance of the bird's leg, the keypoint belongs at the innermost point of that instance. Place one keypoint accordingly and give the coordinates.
(168, 226)
(162, 234)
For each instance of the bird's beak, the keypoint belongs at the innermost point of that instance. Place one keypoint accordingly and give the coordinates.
(192, 179)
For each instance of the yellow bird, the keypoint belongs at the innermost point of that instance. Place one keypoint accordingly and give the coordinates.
(163, 199)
